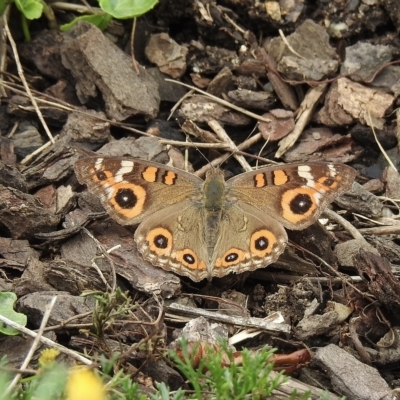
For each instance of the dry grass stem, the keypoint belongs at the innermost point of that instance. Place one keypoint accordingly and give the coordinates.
(25, 83)
(305, 113)
(105, 254)
(220, 132)
(222, 102)
(195, 144)
(345, 224)
(381, 230)
(250, 322)
(35, 343)
(29, 157)
(179, 102)
(218, 161)
(283, 37)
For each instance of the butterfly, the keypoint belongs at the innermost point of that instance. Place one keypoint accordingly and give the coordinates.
(210, 228)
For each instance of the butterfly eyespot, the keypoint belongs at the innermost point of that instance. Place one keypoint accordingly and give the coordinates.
(160, 241)
(101, 175)
(301, 203)
(231, 257)
(261, 243)
(329, 181)
(126, 198)
(189, 258)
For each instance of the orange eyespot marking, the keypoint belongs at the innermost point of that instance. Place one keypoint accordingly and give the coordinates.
(299, 204)
(169, 178)
(232, 257)
(102, 177)
(259, 180)
(127, 199)
(160, 241)
(262, 243)
(189, 259)
(327, 183)
(280, 177)
(150, 174)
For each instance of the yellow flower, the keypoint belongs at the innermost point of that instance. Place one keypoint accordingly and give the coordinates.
(83, 384)
(47, 356)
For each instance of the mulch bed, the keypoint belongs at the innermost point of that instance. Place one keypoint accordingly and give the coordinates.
(249, 84)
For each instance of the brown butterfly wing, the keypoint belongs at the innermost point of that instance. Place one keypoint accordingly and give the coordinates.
(131, 190)
(293, 194)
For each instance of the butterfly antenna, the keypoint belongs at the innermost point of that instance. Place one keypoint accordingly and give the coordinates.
(204, 156)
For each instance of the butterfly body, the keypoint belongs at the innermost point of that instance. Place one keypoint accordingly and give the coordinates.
(209, 228)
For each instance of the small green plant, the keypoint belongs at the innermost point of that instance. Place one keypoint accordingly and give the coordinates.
(7, 300)
(48, 384)
(109, 307)
(119, 9)
(31, 9)
(211, 371)
(215, 377)
(253, 378)
(5, 380)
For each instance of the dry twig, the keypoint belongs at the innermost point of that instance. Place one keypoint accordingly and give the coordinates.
(25, 83)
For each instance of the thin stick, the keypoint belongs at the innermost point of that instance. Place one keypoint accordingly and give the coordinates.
(345, 224)
(218, 161)
(283, 37)
(62, 5)
(46, 341)
(387, 158)
(37, 151)
(250, 322)
(304, 116)
(3, 49)
(220, 132)
(135, 63)
(46, 315)
(223, 102)
(104, 255)
(195, 144)
(381, 230)
(24, 82)
(179, 102)
(70, 108)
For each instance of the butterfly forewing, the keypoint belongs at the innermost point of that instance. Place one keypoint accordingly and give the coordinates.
(293, 194)
(131, 190)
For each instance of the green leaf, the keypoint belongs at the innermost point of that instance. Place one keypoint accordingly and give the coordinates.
(32, 9)
(5, 379)
(51, 383)
(99, 20)
(127, 8)
(7, 300)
